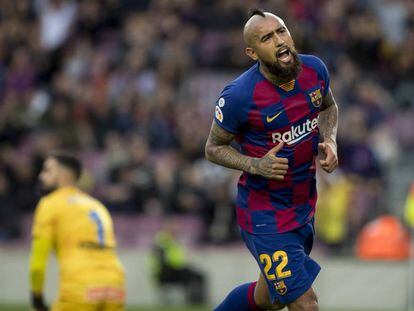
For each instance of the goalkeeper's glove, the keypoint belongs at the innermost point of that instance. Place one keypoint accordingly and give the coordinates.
(38, 303)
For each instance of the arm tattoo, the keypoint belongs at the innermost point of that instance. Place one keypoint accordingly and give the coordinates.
(219, 151)
(328, 118)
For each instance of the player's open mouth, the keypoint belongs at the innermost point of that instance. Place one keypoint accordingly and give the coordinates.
(284, 55)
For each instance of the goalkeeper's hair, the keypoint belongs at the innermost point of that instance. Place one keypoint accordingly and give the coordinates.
(68, 160)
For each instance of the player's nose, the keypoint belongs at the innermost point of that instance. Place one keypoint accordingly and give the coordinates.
(278, 40)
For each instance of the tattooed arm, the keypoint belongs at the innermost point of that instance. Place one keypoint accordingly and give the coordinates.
(219, 151)
(328, 118)
(328, 125)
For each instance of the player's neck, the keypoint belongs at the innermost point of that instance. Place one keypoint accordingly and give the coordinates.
(67, 184)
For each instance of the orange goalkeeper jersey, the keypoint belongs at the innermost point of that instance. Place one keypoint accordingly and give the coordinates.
(81, 231)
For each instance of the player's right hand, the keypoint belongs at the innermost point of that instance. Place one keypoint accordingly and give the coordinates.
(270, 166)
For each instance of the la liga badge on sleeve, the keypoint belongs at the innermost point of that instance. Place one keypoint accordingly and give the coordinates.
(219, 114)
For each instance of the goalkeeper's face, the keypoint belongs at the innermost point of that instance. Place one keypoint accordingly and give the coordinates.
(49, 176)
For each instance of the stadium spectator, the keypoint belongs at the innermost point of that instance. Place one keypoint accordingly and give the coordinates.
(170, 267)
(152, 68)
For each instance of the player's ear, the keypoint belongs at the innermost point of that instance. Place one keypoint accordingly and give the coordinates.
(251, 53)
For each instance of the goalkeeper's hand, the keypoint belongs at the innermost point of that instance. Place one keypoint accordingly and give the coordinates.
(38, 303)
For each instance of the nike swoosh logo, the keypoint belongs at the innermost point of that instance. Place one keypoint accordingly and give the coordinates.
(270, 119)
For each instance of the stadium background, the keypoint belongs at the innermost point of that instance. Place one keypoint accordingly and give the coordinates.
(130, 85)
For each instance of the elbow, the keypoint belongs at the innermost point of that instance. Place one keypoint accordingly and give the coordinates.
(209, 152)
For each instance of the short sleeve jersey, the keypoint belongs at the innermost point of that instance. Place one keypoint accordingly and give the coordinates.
(262, 115)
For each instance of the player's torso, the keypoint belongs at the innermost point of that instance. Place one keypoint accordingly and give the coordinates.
(85, 238)
(274, 114)
(287, 113)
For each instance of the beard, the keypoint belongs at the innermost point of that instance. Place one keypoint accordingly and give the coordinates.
(282, 74)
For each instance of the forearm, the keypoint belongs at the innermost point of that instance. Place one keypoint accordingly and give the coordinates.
(37, 277)
(38, 260)
(229, 157)
(328, 123)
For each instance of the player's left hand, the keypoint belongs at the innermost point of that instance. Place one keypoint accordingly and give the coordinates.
(38, 303)
(330, 163)
(41, 308)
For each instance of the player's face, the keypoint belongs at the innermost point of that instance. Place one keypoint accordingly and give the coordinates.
(274, 47)
(49, 175)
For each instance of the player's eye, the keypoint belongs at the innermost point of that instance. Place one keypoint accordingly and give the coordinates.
(264, 39)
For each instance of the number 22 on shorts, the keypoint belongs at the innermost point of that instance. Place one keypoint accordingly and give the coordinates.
(279, 257)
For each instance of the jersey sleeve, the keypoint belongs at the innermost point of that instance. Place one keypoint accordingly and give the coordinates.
(228, 111)
(38, 260)
(44, 221)
(324, 75)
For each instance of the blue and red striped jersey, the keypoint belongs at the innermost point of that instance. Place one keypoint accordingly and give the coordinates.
(261, 115)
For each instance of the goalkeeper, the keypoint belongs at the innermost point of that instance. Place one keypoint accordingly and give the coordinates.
(79, 229)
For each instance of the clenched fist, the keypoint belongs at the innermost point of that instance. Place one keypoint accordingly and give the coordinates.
(330, 163)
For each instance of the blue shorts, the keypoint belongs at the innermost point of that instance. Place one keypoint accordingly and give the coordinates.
(284, 260)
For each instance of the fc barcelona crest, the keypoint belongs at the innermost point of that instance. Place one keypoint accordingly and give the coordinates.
(281, 287)
(316, 98)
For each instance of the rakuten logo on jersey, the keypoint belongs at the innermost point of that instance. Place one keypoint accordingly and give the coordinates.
(296, 133)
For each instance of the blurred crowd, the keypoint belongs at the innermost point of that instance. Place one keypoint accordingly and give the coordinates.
(130, 86)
